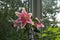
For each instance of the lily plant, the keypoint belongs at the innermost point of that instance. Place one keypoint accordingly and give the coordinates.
(25, 18)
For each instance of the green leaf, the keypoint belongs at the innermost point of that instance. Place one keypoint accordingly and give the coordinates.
(58, 33)
(44, 34)
(55, 29)
(57, 38)
(49, 28)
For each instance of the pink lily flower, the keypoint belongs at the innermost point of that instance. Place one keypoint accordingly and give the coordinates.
(38, 24)
(23, 18)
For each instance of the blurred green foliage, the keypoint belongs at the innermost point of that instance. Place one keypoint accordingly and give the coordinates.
(51, 33)
(7, 11)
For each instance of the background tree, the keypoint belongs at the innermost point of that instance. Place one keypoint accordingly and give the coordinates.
(7, 12)
(49, 10)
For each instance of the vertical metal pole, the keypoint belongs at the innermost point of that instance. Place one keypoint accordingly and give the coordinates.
(34, 7)
(37, 12)
(0, 6)
(37, 8)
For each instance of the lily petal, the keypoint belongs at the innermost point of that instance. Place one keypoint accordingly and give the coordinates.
(23, 24)
(37, 19)
(23, 10)
(38, 25)
(18, 14)
(29, 21)
(18, 20)
(30, 14)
